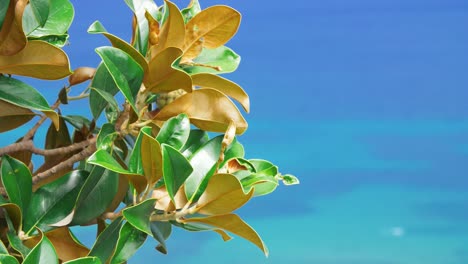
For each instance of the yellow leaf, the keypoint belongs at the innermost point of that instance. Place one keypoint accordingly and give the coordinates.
(225, 236)
(162, 77)
(173, 30)
(13, 116)
(65, 245)
(12, 38)
(151, 157)
(208, 109)
(223, 195)
(215, 26)
(38, 59)
(234, 224)
(231, 89)
(81, 74)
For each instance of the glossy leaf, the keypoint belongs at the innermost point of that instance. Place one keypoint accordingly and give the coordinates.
(38, 59)
(223, 195)
(42, 253)
(172, 32)
(98, 28)
(40, 8)
(54, 201)
(191, 10)
(7, 259)
(139, 215)
(162, 77)
(234, 224)
(161, 232)
(58, 41)
(289, 179)
(13, 116)
(215, 25)
(231, 89)
(203, 162)
(264, 167)
(151, 158)
(3, 249)
(106, 242)
(135, 162)
(12, 38)
(106, 137)
(77, 122)
(208, 109)
(102, 81)
(130, 240)
(23, 95)
(17, 180)
(85, 260)
(176, 169)
(57, 21)
(3, 11)
(103, 159)
(96, 195)
(215, 61)
(14, 214)
(196, 139)
(17, 244)
(125, 71)
(139, 8)
(263, 184)
(112, 103)
(175, 131)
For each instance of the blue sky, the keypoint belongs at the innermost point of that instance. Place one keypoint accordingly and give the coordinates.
(365, 101)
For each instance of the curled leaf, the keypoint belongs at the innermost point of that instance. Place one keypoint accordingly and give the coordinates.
(13, 116)
(12, 38)
(81, 75)
(172, 32)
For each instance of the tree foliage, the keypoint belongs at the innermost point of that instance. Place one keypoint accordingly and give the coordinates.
(135, 167)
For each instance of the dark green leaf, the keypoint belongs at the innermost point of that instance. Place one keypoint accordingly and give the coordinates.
(17, 180)
(161, 232)
(203, 162)
(135, 165)
(3, 249)
(189, 12)
(17, 244)
(125, 71)
(96, 195)
(106, 241)
(77, 122)
(40, 8)
(57, 139)
(54, 201)
(130, 240)
(85, 260)
(139, 8)
(3, 11)
(104, 159)
(139, 215)
(219, 60)
(196, 139)
(176, 169)
(102, 81)
(58, 21)
(63, 96)
(175, 131)
(7, 259)
(106, 137)
(42, 253)
(112, 103)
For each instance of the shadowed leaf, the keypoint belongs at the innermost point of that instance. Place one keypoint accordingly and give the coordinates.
(12, 38)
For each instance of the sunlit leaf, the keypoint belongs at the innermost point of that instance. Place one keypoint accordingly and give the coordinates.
(139, 8)
(130, 240)
(81, 74)
(175, 131)
(196, 139)
(139, 215)
(106, 137)
(104, 159)
(151, 155)
(7, 259)
(215, 61)
(12, 38)
(289, 179)
(43, 253)
(57, 21)
(13, 116)
(17, 180)
(191, 10)
(262, 184)
(106, 242)
(176, 169)
(85, 260)
(58, 41)
(40, 8)
(172, 32)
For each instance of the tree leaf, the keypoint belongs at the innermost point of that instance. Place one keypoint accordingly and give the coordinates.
(263, 184)
(231, 89)
(223, 195)
(203, 162)
(98, 28)
(234, 224)
(215, 61)
(7, 259)
(12, 38)
(106, 137)
(235, 150)
(135, 163)
(112, 103)
(3, 12)
(38, 59)
(264, 167)
(54, 201)
(81, 74)
(17, 180)
(215, 25)
(176, 169)
(14, 214)
(95, 196)
(57, 139)
(58, 20)
(172, 33)
(42, 253)
(139, 215)
(191, 10)
(208, 109)
(77, 121)
(130, 240)
(40, 8)
(58, 41)
(162, 77)
(139, 8)
(17, 244)
(103, 159)
(105, 244)
(102, 81)
(151, 158)
(86, 260)
(175, 131)
(161, 232)
(196, 139)
(125, 71)
(289, 179)
(3, 249)
(23, 95)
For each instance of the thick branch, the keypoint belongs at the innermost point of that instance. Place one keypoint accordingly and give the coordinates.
(29, 146)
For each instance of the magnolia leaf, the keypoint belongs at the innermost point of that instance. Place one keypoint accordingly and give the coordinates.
(43, 253)
(223, 195)
(3, 12)
(175, 131)
(106, 242)
(130, 240)
(40, 8)
(112, 103)
(106, 137)
(135, 161)
(215, 61)
(263, 184)
(234, 224)
(103, 159)
(208, 109)
(172, 32)
(151, 158)
(17, 180)
(58, 19)
(85, 260)
(289, 179)
(139, 8)
(38, 59)
(191, 10)
(162, 77)
(81, 74)
(104, 81)
(12, 38)
(196, 139)
(14, 214)
(161, 232)
(7, 259)
(231, 89)
(13, 116)
(215, 25)
(176, 169)
(139, 215)
(17, 244)
(264, 167)
(58, 41)
(98, 28)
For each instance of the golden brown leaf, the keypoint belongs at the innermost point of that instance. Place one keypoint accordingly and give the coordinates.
(12, 38)
(81, 74)
(13, 116)
(208, 109)
(151, 158)
(139, 182)
(173, 30)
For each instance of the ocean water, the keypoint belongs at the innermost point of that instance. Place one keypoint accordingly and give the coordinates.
(363, 100)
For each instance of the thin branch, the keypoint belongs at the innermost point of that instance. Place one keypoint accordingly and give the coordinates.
(174, 216)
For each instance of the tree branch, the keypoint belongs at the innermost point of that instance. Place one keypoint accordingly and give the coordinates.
(29, 146)
(30, 134)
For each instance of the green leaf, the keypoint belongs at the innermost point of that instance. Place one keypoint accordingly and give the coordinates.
(54, 201)
(176, 169)
(14, 214)
(102, 81)
(263, 184)
(42, 253)
(139, 215)
(264, 167)
(7, 259)
(125, 71)
(220, 60)
(3, 249)
(196, 139)
(135, 163)
(189, 12)
(59, 19)
(56, 40)
(106, 137)
(85, 260)
(289, 179)
(95, 196)
(161, 232)
(17, 180)
(21, 94)
(77, 122)
(3, 11)
(103, 159)
(106, 241)
(235, 150)
(175, 131)
(112, 103)
(40, 8)
(17, 244)
(203, 162)
(130, 240)
(139, 8)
